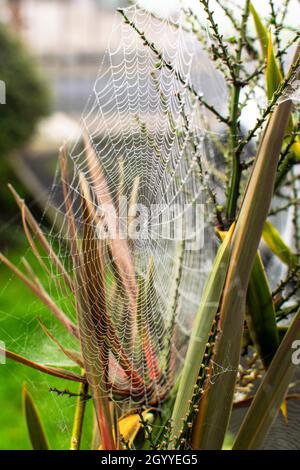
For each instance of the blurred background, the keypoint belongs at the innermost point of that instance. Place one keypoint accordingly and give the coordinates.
(52, 51)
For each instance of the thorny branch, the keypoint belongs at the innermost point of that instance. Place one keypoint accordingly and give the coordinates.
(166, 64)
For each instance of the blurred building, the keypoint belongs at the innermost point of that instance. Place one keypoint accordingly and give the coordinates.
(63, 27)
(68, 37)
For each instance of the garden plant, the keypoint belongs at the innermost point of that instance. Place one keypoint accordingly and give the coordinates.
(172, 334)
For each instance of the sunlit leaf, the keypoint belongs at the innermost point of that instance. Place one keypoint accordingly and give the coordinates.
(130, 425)
(283, 409)
(273, 73)
(272, 238)
(261, 31)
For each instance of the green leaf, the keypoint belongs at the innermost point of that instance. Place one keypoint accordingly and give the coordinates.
(272, 238)
(273, 80)
(273, 73)
(130, 425)
(34, 425)
(200, 334)
(271, 393)
(260, 30)
(260, 314)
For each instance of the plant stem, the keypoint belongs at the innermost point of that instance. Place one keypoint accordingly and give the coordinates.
(236, 170)
(220, 50)
(79, 415)
(234, 126)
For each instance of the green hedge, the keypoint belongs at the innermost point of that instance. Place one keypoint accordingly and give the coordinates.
(27, 95)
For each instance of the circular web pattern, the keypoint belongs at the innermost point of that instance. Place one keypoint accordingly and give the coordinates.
(137, 211)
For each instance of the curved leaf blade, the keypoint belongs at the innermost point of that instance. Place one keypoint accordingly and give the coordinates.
(35, 427)
(273, 239)
(273, 73)
(260, 313)
(260, 30)
(200, 334)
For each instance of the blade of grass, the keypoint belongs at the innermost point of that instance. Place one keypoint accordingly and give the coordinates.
(273, 71)
(121, 185)
(92, 245)
(149, 338)
(260, 312)
(262, 32)
(119, 249)
(79, 415)
(95, 443)
(132, 202)
(68, 202)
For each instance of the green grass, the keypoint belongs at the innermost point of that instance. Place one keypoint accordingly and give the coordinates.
(21, 333)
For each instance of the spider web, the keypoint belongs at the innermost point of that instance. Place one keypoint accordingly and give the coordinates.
(139, 179)
(138, 175)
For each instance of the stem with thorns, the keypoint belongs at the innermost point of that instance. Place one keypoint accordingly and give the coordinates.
(230, 15)
(79, 415)
(221, 50)
(270, 108)
(234, 189)
(277, 31)
(166, 64)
